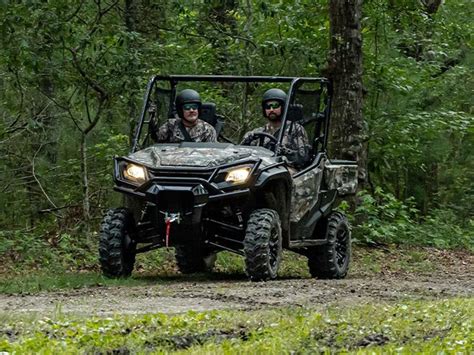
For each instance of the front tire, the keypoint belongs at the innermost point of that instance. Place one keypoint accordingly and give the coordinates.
(331, 260)
(263, 245)
(116, 247)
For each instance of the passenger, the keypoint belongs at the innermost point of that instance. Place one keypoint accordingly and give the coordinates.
(187, 127)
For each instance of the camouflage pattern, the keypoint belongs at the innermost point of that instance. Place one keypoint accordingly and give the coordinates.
(294, 138)
(342, 177)
(198, 155)
(170, 132)
(305, 192)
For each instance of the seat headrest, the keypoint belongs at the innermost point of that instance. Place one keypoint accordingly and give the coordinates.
(208, 113)
(295, 112)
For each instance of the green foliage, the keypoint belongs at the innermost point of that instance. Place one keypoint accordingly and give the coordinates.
(407, 327)
(42, 249)
(443, 229)
(382, 218)
(386, 219)
(419, 108)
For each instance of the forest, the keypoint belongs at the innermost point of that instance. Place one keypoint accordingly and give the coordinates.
(73, 75)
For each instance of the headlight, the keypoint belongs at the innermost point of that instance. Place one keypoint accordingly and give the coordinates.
(134, 173)
(233, 176)
(238, 176)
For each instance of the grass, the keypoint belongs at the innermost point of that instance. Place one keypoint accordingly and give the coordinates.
(407, 327)
(47, 282)
(159, 266)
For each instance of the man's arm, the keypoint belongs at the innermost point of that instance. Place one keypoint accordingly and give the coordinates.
(248, 137)
(297, 149)
(204, 132)
(211, 134)
(163, 133)
(302, 144)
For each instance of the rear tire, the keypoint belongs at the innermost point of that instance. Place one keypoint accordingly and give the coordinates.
(116, 247)
(191, 259)
(263, 245)
(331, 260)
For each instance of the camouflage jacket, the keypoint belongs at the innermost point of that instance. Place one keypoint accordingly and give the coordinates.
(295, 142)
(171, 132)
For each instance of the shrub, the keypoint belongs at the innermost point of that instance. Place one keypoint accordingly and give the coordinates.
(381, 218)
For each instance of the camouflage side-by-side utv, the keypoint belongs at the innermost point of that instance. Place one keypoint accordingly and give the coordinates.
(202, 198)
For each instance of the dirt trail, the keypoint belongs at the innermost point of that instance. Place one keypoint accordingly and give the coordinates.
(179, 295)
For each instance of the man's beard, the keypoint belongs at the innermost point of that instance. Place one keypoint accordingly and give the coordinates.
(273, 117)
(190, 121)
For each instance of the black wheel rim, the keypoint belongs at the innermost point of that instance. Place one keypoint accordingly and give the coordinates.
(342, 246)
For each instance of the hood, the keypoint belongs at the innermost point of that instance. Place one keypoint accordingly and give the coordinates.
(204, 155)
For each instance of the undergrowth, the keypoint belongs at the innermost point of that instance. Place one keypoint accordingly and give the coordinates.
(382, 219)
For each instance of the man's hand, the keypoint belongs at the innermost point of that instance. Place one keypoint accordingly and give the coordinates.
(153, 129)
(285, 151)
(247, 139)
(250, 137)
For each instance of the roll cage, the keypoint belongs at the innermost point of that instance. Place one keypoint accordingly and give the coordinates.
(320, 138)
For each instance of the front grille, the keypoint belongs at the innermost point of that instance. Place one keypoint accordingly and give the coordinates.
(206, 175)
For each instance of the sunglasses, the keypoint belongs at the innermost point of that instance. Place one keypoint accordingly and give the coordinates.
(273, 105)
(187, 107)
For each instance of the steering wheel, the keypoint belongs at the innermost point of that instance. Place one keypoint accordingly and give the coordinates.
(261, 139)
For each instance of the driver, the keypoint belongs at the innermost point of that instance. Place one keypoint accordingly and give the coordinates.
(295, 145)
(187, 127)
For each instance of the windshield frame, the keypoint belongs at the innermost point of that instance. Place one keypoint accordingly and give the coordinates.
(294, 82)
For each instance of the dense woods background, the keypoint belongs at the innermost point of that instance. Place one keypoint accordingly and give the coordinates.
(72, 76)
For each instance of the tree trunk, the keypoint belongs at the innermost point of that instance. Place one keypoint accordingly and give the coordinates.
(85, 180)
(129, 15)
(130, 23)
(224, 24)
(345, 71)
(431, 6)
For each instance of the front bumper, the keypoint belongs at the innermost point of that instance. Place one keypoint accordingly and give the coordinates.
(191, 201)
(188, 197)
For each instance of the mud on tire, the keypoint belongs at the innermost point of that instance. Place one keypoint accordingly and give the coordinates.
(331, 261)
(263, 245)
(194, 258)
(116, 247)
